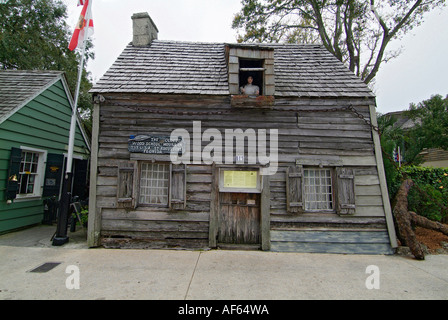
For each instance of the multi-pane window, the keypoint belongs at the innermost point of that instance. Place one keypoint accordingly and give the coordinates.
(154, 184)
(318, 191)
(29, 164)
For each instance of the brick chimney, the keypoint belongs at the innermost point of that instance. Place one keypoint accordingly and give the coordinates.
(144, 29)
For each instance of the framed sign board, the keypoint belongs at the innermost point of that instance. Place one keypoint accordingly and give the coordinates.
(152, 144)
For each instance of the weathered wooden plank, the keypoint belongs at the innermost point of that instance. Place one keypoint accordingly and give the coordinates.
(108, 180)
(106, 191)
(359, 152)
(369, 200)
(328, 219)
(265, 214)
(214, 208)
(339, 248)
(94, 224)
(368, 160)
(131, 242)
(367, 180)
(370, 211)
(370, 190)
(294, 192)
(345, 191)
(382, 178)
(337, 145)
(181, 237)
(155, 214)
(178, 188)
(330, 236)
(199, 178)
(154, 225)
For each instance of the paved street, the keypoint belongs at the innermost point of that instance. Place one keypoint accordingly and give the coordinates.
(207, 275)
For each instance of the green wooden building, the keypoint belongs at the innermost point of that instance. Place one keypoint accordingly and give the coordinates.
(35, 114)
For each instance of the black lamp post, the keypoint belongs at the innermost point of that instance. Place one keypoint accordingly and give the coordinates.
(61, 231)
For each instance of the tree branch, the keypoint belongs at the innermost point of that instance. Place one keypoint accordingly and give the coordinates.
(387, 36)
(348, 25)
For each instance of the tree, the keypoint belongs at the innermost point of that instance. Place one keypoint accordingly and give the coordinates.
(35, 36)
(430, 130)
(431, 125)
(354, 31)
(392, 136)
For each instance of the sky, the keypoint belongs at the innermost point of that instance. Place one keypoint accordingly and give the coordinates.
(418, 73)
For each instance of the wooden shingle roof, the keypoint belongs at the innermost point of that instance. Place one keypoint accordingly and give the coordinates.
(173, 67)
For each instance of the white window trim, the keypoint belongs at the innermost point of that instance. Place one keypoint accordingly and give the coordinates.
(40, 176)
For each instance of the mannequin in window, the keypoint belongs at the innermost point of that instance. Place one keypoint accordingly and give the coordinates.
(250, 89)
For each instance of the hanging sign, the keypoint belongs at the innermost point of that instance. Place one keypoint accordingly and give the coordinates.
(155, 144)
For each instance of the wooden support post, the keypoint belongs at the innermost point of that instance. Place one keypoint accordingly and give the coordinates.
(382, 178)
(94, 225)
(266, 214)
(214, 208)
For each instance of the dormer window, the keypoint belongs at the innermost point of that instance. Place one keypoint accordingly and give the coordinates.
(254, 69)
(253, 61)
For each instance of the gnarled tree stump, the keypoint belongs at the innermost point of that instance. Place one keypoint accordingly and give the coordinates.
(403, 220)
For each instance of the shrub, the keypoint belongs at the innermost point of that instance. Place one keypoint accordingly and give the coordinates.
(429, 196)
(428, 203)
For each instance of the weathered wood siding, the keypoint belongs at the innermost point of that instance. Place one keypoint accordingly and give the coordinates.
(308, 131)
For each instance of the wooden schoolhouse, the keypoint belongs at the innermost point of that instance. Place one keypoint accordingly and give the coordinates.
(168, 169)
(35, 114)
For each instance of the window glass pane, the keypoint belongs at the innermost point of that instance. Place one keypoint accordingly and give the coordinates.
(154, 183)
(29, 167)
(318, 189)
(23, 183)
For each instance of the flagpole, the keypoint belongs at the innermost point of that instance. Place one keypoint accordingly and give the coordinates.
(61, 231)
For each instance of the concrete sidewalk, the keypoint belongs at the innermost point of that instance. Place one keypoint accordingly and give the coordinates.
(207, 275)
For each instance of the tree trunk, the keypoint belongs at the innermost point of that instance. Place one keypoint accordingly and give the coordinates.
(403, 220)
(428, 224)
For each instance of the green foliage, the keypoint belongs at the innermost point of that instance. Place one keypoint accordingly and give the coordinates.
(354, 31)
(428, 202)
(431, 125)
(430, 129)
(83, 215)
(429, 196)
(391, 137)
(34, 36)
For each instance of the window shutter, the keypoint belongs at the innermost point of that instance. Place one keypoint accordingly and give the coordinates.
(13, 175)
(294, 197)
(345, 182)
(53, 175)
(126, 185)
(178, 199)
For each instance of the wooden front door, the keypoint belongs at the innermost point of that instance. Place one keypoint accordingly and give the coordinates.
(239, 218)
